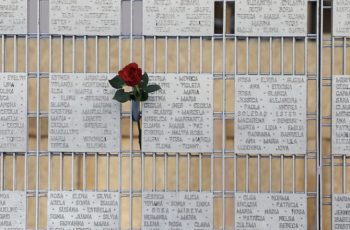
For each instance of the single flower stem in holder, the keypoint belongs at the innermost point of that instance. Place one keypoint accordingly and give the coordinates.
(140, 133)
(136, 116)
(131, 75)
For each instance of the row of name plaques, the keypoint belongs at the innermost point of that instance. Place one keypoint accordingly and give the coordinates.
(270, 114)
(160, 210)
(172, 18)
(169, 210)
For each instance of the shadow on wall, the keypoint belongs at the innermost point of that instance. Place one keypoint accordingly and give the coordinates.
(230, 18)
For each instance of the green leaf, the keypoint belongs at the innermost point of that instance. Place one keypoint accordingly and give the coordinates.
(152, 88)
(144, 96)
(144, 80)
(121, 96)
(116, 82)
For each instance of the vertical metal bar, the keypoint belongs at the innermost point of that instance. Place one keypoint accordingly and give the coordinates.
(200, 71)
(247, 156)
(84, 154)
(344, 56)
(154, 54)
(131, 18)
(96, 172)
(142, 172)
(188, 172)
(282, 156)
(293, 72)
(306, 72)
(14, 165)
(143, 48)
(49, 153)
(62, 54)
(223, 115)
(73, 53)
(258, 172)
(96, 154)
(154, 71)
(270, 173)
(120, 171)
(271, 52)
(282, 55)
(165, 71)
(73, 154)
(154, 169)
(62, 70)
(344, 174)
(189, 66)
(306, 54)
(166, 154)
(131, 125)
(319, 150)
(306, 175)
(293, 56)
(200, 54)
(235, 154)
(344, 156)
(120, 139)
(108, 153)
(282, 174)
(259, 55)
(38, 133)
(3, 51)
(73, 172)
(166, 53)
(247, 56)
(96, 54)
(247, 173)
(165, 172)
(212, 155)
(26, 153)
(332, 186)
(119, 52)
(15, 53)
(177, 173)
(61, 171)
(270, 155)
(293, 173)
(200, 172)
(2, 172)
(259, 72)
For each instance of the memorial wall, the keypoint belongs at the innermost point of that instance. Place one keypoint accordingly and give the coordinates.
(228, 142)
(340, 112)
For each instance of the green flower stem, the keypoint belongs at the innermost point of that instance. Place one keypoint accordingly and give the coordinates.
(137, 88)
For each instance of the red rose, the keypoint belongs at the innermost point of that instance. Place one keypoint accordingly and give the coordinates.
(131, 74)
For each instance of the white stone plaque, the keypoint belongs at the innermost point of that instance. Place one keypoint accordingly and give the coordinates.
(83, 117)
(13, 17)
(82, 17)
(271, 18)
(341, 115)
(177, 210)
(341, 211)
(178, 17)
(258, 211)
(179, 117)
(341, 18)
(12, 210)
(270, 114)
(13, 112)
(83, 210)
